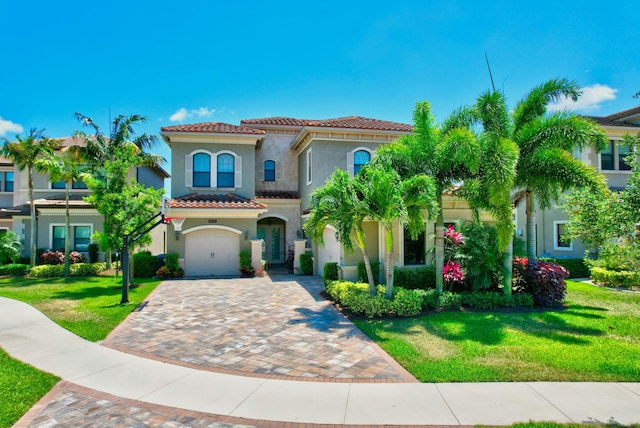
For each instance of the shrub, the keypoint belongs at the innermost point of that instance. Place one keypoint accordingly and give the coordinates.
(424, 278)
(362, 272)
(145, 265)
(448, 300)
(611, 278)
(330, 272)
(164, 273)
(306, 263)
(481, 256)
(523, 300)
(93, 252)
(406, 303)
(545, 281)
(79, 269)
(9, 247)
(171, 262)
(486, 300)
(245, 263)
(14, 269)
(87, 269)
(429, 298)
(47, 271)
(577, 268)
(52, 257)
(76, 257)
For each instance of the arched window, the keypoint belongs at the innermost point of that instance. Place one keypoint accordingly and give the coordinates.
(360, 159)
(201, 170)
(226, 170)
(269, 170)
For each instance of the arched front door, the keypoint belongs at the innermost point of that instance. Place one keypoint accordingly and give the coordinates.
(272, 231)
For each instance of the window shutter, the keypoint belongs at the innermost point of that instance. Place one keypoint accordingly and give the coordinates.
(260, 176)
(350, 163)
(238, 172)
(278, 172)
(188, 170)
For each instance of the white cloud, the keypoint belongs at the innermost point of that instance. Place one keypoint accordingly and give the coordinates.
(183, 114)
(7, 126)
(591, 98)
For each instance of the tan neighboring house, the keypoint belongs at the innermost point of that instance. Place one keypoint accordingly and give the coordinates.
(49, 201)
(610, 162)
(248, 187)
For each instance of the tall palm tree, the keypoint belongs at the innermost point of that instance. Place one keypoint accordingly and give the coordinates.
(391, 198)
(24, 153)
(340, 203)
(449, 155)
(101, 149)
(546, 167)
(64, 166)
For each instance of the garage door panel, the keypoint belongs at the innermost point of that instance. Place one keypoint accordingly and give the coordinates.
(212, 252)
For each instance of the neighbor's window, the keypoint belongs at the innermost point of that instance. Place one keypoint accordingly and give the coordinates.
(623, 151)
(561, 240)
(57, 243)
(309, 166)
(360, 159)
(414, 250)
(82, 238)
(269, 170)
(226, 170)
(201, 170)
(8, 181)
(606, 157)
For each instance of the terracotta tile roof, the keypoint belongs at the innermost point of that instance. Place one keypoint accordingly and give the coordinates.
(277, 194)
(228, 201)
(358, 122)
(282, 121)
(212, 128)
(349, 122)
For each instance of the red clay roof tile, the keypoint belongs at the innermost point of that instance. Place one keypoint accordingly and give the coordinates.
(212, 128)
(349, 122)
(215, 201)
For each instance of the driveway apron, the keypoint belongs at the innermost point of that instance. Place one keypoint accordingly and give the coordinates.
(267, 327)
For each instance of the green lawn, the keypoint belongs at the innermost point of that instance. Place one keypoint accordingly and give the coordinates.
(88, 306)
(596, 338)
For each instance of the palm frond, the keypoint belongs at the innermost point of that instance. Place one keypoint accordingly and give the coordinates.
(534, 104)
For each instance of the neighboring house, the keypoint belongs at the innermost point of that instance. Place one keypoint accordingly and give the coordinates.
(49, 201)
(248, 187)
(610, 162)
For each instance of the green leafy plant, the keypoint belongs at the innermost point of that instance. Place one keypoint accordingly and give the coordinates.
(545, 281)
(79, 269)
(93, 252)
(14, 269)
(245, 263)
(612, 278)
(481, 256)
(306, 263)
(448, 300)
(406, 303)
(423, 278)
(330, 272)
(145, 264)
(9, 247)
(362, 272)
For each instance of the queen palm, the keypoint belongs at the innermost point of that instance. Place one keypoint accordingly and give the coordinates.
(546, 167)
(65, 166)
(449, 155)
(24, 153)
(340, 203)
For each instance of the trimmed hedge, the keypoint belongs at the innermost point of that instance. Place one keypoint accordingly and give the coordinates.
(423, 278)
(610, 278)
(306, 263)
(330, 272)
(78, 269)
(145, 265)
(362, 272)
(14, 269)
(577, 267)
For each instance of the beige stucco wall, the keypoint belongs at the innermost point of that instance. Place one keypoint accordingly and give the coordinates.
(276, 147)
(285, 209)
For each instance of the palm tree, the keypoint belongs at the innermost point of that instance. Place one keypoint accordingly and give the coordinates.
(340, 203)
(101, 149)
(65, 166)
(546, 167)
(392, 199)
(449, 155)
(24, 153)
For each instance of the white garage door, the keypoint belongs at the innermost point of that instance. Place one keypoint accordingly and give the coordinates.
(212, 252)
(331, 250)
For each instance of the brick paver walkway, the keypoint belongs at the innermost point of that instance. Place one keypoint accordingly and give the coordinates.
(265, 327)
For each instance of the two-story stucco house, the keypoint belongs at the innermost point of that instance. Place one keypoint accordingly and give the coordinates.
(234, 186)
(49, 201)
(610, 162)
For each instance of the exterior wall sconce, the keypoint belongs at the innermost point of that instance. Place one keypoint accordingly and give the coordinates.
(246, 235)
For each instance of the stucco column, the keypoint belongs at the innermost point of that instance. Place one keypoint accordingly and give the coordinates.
(299, 247)
(256, 254)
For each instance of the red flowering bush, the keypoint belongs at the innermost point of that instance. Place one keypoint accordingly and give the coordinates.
(545, 281)
(52, 257)
(76, 257)
(455, 238)
(452, 272)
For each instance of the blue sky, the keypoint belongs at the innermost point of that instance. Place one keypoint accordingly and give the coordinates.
(196, 61)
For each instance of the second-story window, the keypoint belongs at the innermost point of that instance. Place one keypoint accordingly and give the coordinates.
(269, 170)
(226, 170)
(623, 152)
(360, 159)
(606, 157)
(201, 170)
(8, 181)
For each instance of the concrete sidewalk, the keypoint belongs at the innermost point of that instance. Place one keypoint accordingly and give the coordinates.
(29, 336)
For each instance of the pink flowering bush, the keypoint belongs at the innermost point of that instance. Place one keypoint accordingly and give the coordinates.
(452, 273)
(455, 238)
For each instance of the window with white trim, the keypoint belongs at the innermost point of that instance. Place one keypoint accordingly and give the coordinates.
(612, 158)
(357, 158)
(213, 170)
(81, 237)
(8, 181)
(561, 241)
(225, 170)
(201, 170)
(309, 170)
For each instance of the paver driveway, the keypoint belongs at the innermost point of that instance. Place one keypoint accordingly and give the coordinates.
(268, 327)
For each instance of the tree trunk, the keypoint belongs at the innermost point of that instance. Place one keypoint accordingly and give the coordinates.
(67, 234)
(131, 268)
(439, 246)
(531, 226)
(34, 227)
(367, 263)
(389, 261)
(507, 264)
